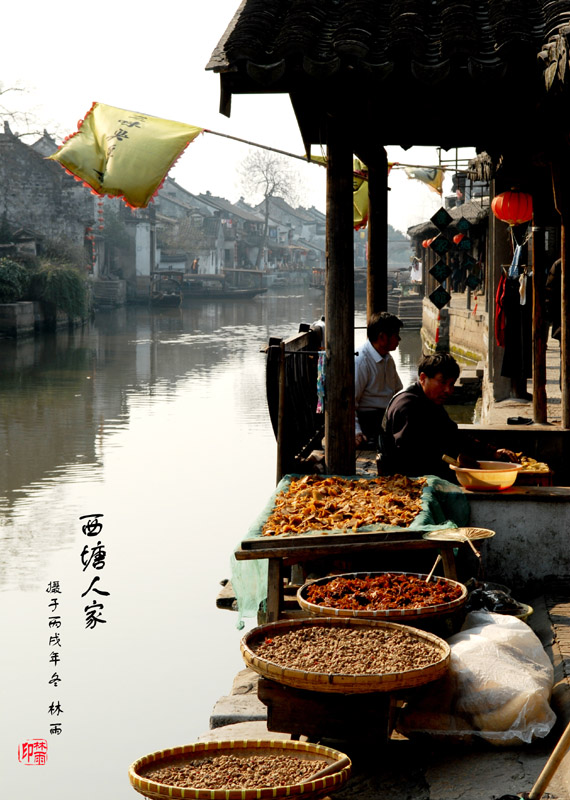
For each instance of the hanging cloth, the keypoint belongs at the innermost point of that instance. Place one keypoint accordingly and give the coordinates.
(514, 270)
(522, 286)
(500, 318)
(321, 382)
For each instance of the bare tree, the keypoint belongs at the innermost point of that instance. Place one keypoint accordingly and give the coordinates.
(185, 235)
(264, 175)
(26, 120)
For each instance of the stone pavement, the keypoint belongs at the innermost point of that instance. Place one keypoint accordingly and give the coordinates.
(523, 408)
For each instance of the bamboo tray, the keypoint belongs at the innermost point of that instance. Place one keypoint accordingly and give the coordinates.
(530, 477)
(323, 782)
(340, 682)
(403, 615)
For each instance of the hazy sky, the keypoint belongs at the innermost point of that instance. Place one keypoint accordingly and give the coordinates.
(152, 59)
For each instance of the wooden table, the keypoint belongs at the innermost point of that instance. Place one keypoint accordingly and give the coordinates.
(319, 715)
(284, 551)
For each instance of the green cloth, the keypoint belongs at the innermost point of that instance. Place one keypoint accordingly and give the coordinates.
(444, 505)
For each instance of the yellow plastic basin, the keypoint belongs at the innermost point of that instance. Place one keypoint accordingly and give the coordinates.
(493, 476)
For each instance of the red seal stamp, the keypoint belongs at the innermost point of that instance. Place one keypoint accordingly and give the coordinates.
(33, 752)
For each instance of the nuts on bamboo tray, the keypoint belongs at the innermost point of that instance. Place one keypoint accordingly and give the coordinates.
(274, 769)
(347, 655)
(392, 596)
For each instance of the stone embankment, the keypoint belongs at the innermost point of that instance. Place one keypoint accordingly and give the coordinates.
(19, 320)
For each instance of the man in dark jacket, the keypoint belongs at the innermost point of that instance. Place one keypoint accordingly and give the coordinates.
(418, 431)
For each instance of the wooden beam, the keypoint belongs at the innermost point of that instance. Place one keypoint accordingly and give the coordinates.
(377, 291)
(339, 305)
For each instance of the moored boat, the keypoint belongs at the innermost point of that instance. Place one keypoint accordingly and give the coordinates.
(165, 290)
(215, 287)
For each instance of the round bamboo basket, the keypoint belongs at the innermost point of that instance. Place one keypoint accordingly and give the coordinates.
(322, 783)
(409, 616)
(340, 682)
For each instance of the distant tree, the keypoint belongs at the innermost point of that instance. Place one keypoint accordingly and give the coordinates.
(62, 252)
(399, 248)
(5, 230)
(25, 120)
(14, 281)
(184, 236)
(263, 175)
(62, 286)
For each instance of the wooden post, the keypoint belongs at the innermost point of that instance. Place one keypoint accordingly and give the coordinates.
(565, 302)
(281, 412)
(560, 179)
(540, 266)
(339, 306)
(377, 291)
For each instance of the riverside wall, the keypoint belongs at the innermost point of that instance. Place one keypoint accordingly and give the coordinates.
(26, 318)
(464, 332)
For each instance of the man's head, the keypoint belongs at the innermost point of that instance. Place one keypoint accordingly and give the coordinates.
(383, 331)
(437, 375)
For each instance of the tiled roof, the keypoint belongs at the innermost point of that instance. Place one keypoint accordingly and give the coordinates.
(472, 211)
(224, 205)
(426, 37)
(388, 60)
(282, 204)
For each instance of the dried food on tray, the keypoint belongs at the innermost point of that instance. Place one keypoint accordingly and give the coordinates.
(229, 771)
(346, 651)
(251, 769)
(531, 464)
(345, 655)
(382, 591)
(333, 503)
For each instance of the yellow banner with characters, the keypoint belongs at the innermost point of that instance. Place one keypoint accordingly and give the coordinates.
(359, 188)
(431, 176)
(124, 153)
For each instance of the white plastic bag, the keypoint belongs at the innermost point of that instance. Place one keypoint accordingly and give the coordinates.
(498, 686)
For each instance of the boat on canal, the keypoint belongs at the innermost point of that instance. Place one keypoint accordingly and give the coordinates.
(215, 287)
(174, 287)
(166, 290)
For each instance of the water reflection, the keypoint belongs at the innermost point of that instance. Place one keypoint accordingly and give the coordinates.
(159, 422)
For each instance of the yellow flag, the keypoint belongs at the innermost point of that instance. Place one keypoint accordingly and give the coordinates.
(123, 153)
(359, 194)
(432, 176)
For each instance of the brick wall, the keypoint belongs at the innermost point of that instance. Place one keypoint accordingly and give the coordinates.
(39, 195)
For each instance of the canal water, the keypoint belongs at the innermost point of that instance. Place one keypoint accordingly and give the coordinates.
(135, 454)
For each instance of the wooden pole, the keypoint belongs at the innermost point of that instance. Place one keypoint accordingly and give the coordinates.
(565, 302)
(339, 306)
(560, 179)
(539, 325)
(281, 413)
(377, 291)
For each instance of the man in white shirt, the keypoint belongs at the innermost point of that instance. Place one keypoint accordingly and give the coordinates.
(376, 380)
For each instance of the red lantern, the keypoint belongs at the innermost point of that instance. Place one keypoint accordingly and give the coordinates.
(458, 237)
(512, 207)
